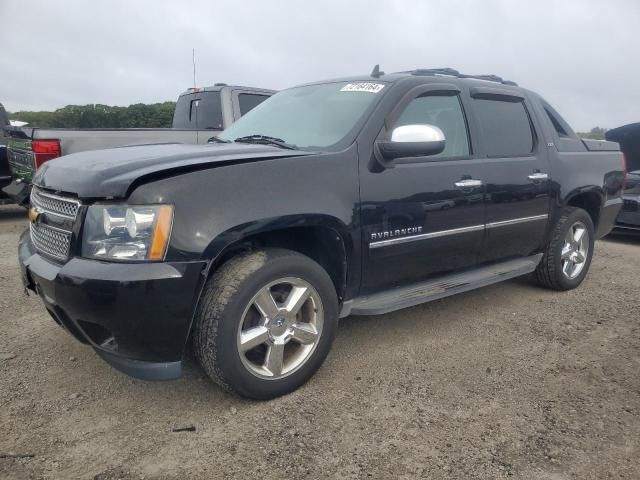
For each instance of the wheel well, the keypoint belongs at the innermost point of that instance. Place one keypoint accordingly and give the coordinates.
(322, 244)
(589, 202)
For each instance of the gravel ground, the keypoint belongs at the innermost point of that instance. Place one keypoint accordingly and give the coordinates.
(507, 381)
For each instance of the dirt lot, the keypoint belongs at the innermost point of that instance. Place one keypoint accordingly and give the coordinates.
(508, 381)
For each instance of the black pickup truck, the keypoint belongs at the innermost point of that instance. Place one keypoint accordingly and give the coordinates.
(355, 196)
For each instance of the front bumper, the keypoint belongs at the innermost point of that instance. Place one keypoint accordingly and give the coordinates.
(136, 316)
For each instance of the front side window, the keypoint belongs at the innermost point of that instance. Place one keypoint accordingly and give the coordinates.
(311, 116)
(505, 126)
(445, 112)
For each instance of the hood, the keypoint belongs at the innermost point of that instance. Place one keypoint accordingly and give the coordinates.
(110, 173)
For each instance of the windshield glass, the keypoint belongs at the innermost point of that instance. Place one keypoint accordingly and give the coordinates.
(309, 116)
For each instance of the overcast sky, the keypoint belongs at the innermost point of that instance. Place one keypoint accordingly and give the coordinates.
(582, 56)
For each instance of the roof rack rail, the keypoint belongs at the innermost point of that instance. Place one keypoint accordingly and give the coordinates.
(454, 73)
(435, 71)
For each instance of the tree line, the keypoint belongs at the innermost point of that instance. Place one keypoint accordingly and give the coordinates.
(596, 133)
(139, 115)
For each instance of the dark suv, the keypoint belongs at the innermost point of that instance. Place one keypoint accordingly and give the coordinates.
(354, 196)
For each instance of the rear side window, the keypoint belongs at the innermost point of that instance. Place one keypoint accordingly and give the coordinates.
(248, 101)
(209, 111)
(445, 113)
(201, 111)
(556, 124)
(559, 124)
(505, 127)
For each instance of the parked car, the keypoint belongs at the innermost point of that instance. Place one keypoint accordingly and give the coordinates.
(628, 136)
(311, 208)
(5, 172)
(200, 114)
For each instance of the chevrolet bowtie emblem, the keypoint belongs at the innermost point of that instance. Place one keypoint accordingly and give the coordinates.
(34, 214)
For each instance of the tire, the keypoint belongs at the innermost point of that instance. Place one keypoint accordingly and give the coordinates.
(554, 271)
(237, 306)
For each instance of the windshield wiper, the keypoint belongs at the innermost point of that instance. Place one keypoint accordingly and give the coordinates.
(265, 140)
(217, 140)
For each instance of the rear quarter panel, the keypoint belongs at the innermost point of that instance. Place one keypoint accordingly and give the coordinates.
(601, 172)
(576, 170)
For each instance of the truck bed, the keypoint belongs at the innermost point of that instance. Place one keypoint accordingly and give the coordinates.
(76, 140)
(21, 158)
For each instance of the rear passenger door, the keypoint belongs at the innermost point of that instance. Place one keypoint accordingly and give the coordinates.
(516, 174)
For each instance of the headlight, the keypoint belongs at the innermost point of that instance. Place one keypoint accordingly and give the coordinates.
(123, 232)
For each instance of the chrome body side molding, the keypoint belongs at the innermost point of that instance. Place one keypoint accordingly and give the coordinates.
(455, 231)
(424, 236)
(515, 221)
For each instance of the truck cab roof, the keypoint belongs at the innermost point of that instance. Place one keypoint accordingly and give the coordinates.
(217, 87)
(433, 75)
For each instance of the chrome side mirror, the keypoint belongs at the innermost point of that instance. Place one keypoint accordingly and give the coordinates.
(409, 141)
(417, 134)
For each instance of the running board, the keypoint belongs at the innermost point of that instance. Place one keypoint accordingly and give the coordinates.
(411, 295)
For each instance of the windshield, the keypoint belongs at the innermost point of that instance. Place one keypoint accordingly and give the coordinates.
(309, 116)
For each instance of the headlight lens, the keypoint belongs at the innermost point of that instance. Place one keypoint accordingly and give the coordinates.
(127, 232)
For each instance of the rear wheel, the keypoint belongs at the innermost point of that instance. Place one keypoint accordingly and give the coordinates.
(568, 256)
(265, 322)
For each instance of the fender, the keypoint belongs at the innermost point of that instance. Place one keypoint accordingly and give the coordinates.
(582, 190)
(602, 207)
(226, 240)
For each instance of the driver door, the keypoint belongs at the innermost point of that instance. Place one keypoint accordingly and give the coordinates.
(424, 219)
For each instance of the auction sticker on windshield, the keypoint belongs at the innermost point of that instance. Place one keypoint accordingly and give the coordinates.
(362, 87)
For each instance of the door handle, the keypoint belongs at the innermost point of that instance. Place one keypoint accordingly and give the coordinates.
(538, 176)
(468, 183)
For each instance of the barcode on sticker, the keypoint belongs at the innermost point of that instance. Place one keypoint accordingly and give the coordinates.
(363, 87)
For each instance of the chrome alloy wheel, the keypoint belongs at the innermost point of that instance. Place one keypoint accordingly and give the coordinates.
(280, 328)
(575, 250)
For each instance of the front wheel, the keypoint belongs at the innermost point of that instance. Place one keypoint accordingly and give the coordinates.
(568, 256)
(265, 322)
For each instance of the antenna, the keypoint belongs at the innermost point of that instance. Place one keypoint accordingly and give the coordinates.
(376, 73)
(193, 56)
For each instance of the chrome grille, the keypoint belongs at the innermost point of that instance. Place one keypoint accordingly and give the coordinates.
(19, 160)
(49, 203)
(630, 205)
(51, 241)
(51, 234)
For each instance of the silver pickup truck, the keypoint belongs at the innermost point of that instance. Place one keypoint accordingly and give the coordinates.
(201, 113)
